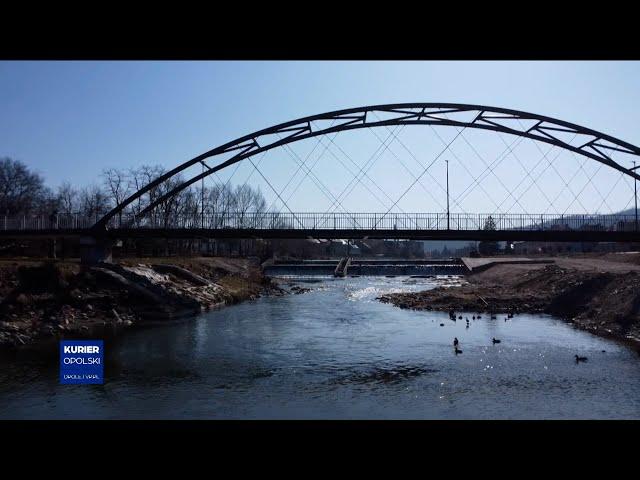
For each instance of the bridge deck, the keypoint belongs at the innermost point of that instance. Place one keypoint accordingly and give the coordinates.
(419, 226)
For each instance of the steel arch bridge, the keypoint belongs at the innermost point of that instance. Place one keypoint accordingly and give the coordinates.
(596, 146)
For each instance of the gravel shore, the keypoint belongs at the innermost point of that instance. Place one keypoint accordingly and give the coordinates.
(600, 294)
(41, 302)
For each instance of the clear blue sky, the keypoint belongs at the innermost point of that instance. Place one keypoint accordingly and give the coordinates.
(69, 120)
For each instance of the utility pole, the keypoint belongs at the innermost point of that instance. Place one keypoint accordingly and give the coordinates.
(635, 193)
(447, 161)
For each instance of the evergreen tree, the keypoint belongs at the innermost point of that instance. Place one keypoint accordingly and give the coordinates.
(489, 247)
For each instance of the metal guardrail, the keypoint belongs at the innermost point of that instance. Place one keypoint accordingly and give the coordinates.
(332, 221)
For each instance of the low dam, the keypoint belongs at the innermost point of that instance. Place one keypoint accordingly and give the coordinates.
(367, 267)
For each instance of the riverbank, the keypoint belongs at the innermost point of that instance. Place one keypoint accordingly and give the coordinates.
(600, 294)
(41, 302)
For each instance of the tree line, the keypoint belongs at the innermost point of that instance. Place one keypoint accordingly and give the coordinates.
(24, 192)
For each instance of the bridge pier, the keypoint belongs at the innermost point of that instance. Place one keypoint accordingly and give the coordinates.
(96, 250)
(52, 245)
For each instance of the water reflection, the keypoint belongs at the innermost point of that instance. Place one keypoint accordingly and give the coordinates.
(336, 352)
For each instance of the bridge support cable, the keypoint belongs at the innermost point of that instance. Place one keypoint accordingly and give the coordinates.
(373, 158)
(276, 192)
(466, 169)
(492, 171)
(411, 173)
(528, 174)
(364, 170)
(355, 174)
(419, 162)
(589, 181)
(610, 191)
(298, 169)
(567, 186)
(370, 179)
(395, 155)
(590, 178)
(497, 161)
(632, 199)
(346, 191)
(421, 175)
(313, 166)
(319, 183)
(304, 177)
(534, 180)
(489, 168)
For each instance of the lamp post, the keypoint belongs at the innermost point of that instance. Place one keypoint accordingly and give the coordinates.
(448, 215)
(635, 193)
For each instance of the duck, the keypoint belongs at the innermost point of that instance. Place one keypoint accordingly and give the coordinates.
(495, 340)
(455, 341)
(473, 318)
(457, 350)
(442, 324)
(580, 359)
(479, 316)
(493, 317)
(460, 317)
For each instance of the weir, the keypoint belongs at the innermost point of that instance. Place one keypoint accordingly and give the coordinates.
(368, 267)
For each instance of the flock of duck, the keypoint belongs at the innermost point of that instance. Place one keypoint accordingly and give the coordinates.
(494, 340)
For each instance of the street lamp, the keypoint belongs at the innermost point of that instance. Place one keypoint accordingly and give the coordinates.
(635, 193)
(447, 162)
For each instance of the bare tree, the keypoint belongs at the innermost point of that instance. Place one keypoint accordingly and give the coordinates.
(21, 190)
(117, 186)
(68, 198)
(94, 202)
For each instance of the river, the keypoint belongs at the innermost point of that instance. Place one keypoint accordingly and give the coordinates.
(337, 353)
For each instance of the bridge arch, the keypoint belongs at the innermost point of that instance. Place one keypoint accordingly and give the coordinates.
(597, 145)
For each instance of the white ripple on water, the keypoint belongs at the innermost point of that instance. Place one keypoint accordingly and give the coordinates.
(370, 293)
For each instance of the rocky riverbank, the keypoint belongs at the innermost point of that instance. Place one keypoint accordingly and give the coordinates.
(595, 294)
(41, 302)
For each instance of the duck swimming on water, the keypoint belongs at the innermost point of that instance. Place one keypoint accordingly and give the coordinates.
(495, 340)
(457, 350)
(580, 359)
(455, 341)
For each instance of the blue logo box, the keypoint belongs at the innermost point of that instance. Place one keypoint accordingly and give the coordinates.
(81, 362)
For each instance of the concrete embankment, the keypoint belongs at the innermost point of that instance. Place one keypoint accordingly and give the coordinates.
(41, 302)
(598, 293)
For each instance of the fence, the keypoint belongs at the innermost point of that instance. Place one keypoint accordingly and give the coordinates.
(332, 221)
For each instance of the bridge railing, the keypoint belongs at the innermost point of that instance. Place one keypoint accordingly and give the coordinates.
(331, 221)
(71, 221)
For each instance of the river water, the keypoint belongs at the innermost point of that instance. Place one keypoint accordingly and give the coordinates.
(337, 353)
